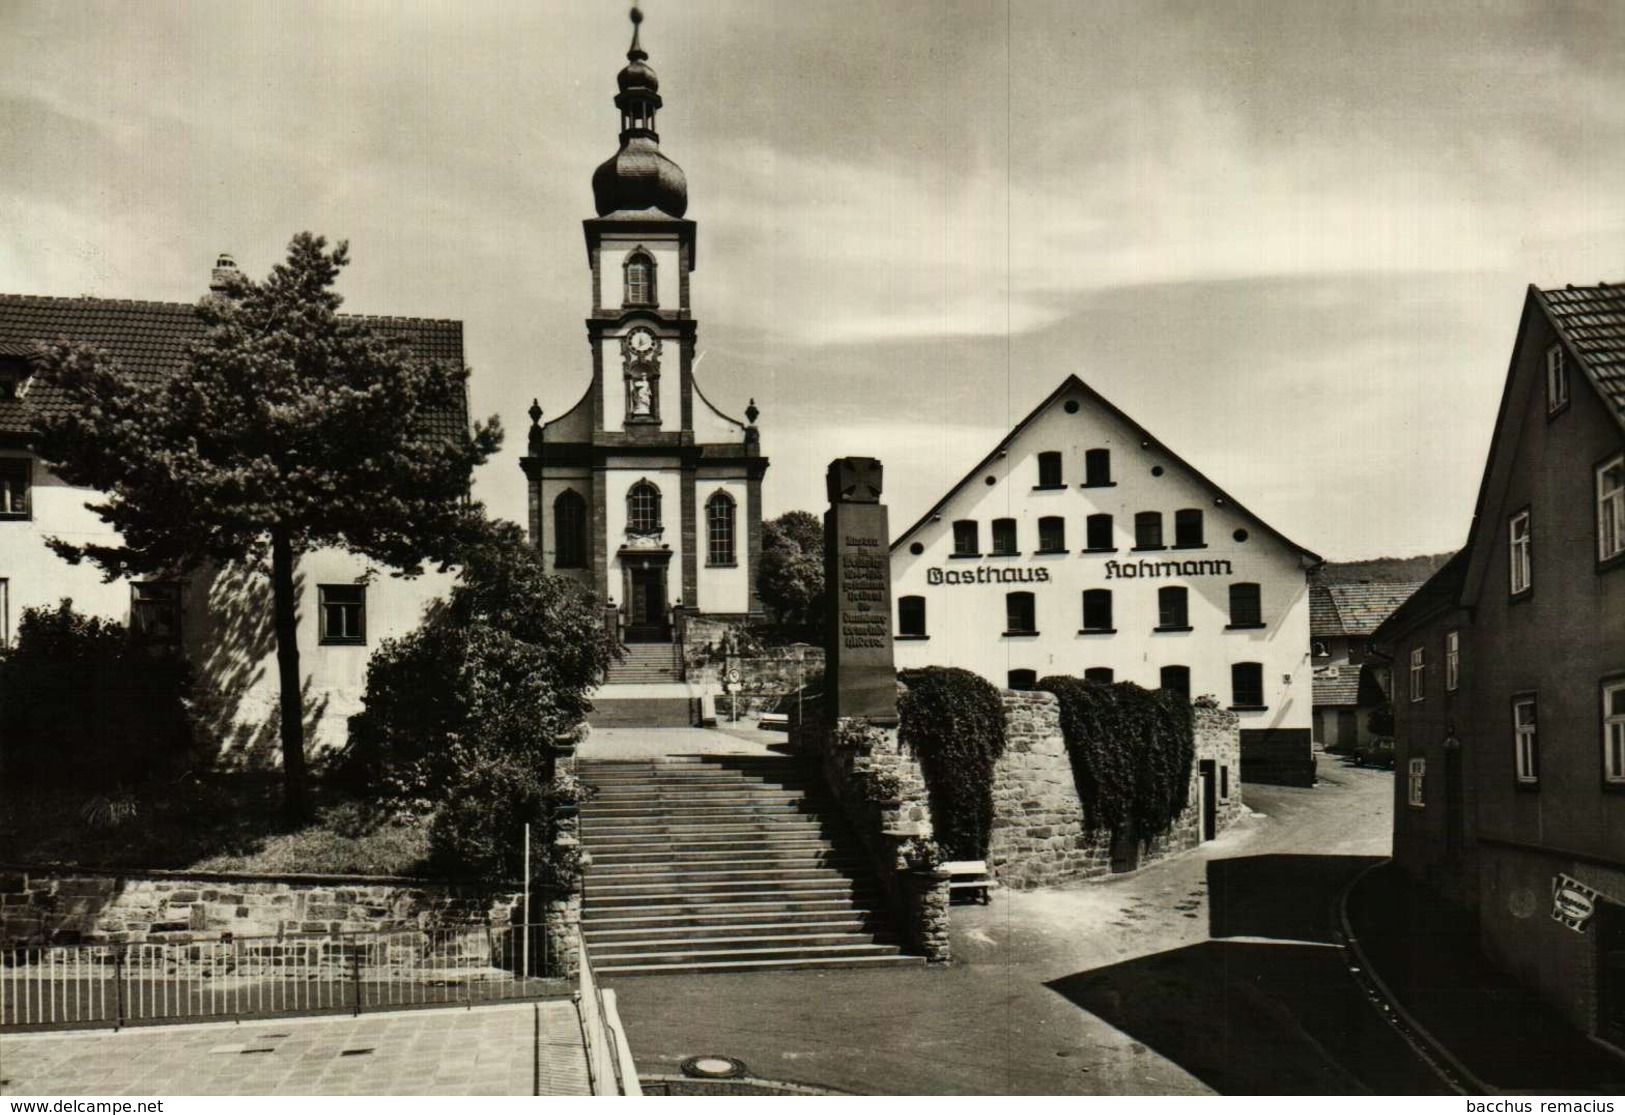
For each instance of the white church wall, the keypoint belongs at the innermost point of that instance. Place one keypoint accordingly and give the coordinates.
(723, 588)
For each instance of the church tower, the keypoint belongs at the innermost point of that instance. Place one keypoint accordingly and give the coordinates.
(643, 490)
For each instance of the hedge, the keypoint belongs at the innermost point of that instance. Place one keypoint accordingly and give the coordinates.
(1131, 752)
(953, 721)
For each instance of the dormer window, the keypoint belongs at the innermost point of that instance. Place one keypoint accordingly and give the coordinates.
(13, 378)
(640, 279)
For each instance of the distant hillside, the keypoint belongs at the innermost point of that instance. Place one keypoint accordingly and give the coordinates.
(1381, 570)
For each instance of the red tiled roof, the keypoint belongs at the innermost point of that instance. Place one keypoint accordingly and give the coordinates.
(149, 339)
(1355, 608)
(1592, 320)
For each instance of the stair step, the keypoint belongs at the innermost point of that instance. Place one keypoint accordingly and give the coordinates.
(750, 839)
(812, 878)
(749, 855)
(599, 914)
(705, 900)
(707, 946)
(897, 961)
(685, 874)
(731, 924)
(740, 954)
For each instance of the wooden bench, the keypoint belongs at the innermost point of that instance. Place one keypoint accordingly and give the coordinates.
(969, 875)
(774, 721)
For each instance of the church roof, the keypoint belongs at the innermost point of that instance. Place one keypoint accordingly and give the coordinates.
(638, 177)
(1070, 383)
(150, 339)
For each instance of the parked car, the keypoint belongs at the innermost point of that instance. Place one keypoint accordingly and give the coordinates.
(1377, 751)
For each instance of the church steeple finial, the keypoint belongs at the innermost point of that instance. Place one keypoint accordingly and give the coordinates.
(636, 53)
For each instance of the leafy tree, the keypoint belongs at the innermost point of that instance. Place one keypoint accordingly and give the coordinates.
(790, 578)
(492, 676)
(289, 429)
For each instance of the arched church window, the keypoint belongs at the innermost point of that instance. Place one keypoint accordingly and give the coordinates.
(570, 531)
(719, 529)
(643, 508)
(640, 279)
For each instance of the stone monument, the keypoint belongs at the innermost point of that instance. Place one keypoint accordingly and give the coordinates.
(860, 679)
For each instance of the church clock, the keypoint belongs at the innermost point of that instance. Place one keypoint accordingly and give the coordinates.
(640, 352)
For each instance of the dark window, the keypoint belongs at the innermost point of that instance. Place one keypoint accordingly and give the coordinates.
(1177, 679)
(343, 610)
(1021, 679)
(911, 616)
(719, 529)
(965, 540)
(15, 485)
(1173, 608)
(1097, 609)
(640, 280)
(1245, 608)
(1247, 685)
(1101, 674)
(1049, 471)
(1188, 528)
(1097, 468)
(1099, 530)
(643, 508)
(1224, 783)
(1148, 530)
(155, 613)
(570, 531)
(1004, 536)
(1052, 534)
(1018, 614)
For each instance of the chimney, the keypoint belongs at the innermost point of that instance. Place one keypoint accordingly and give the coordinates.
(225, 269)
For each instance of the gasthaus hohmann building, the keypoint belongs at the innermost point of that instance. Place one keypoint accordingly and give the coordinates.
(1083, 546)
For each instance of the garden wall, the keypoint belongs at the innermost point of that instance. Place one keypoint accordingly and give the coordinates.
(1039, 837)
(767, 674)
(65, 907)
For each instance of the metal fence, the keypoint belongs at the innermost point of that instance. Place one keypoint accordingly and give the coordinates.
(56, 986)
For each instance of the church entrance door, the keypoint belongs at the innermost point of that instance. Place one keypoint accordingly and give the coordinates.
(647, 622)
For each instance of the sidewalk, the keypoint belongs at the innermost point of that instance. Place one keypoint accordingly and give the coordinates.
(1500, 1031)
(629, 744)
(522, 1049)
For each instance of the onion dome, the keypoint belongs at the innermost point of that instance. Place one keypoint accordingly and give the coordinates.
(638, 176)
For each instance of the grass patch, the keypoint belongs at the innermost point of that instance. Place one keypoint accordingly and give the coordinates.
(222, 824)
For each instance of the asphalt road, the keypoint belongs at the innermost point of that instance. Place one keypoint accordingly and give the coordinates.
(1214, 972)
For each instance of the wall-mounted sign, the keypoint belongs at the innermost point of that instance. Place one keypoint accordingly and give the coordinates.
(988, 575)
(1144, 568)
(1573, 902)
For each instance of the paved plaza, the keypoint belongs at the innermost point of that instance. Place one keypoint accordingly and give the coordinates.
(518, 1049)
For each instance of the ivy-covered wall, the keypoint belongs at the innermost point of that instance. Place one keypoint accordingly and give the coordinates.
(1039, 832)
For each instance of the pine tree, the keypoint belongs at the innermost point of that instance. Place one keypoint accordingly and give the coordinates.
(289, 429)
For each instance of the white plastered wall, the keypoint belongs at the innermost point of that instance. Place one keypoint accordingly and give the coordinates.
(966, 622)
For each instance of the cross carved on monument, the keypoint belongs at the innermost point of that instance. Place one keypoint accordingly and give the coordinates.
(855, 480)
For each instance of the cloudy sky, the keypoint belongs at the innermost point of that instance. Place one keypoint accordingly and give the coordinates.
(1290, 238)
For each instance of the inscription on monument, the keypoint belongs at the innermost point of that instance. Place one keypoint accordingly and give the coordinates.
(857, 571)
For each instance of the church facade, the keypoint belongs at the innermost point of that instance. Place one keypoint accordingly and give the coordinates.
(644, 490)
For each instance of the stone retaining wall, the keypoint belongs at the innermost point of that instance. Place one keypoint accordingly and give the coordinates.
(1039, 835)
(63, 906)
(855, 757)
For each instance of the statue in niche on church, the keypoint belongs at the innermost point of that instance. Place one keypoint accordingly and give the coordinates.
(640, 350)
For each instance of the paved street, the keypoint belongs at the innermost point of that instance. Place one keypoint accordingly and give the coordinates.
(510, 1050)
(1213, 972)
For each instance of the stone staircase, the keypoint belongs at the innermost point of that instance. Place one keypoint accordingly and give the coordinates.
(646, 664)
(724, 863)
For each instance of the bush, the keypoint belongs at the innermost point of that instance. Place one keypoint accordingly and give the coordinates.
(1131, 752)
(953, 721)
(478, 834)
(499, 670)
(82, 706)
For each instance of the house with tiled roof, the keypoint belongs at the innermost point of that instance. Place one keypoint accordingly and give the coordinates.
(1083, 545)
(1509, 675)
(1349, 685)
(219, 619)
